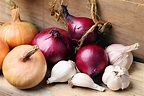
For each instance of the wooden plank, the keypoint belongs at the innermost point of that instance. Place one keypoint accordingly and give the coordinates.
(128, 22)
(126, 16)
(136, 1)
(136, 87)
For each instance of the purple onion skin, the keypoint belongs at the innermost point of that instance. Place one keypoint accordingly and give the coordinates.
(77, 27)
(54, 47)
(91, 59)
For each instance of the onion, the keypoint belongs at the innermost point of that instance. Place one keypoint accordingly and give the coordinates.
(24, 66)
(91, 59)
(77, 27)
(4, 49)
(54, 43)
(16, 31)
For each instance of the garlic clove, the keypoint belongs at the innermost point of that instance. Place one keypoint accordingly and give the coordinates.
(106, 75)
(114, 83)
(115, 57)
(83, 80)
(125, 60)
(125, 81)
(62, 71)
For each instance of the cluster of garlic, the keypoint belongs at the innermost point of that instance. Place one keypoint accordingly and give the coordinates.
(66, 71)
(116, 76)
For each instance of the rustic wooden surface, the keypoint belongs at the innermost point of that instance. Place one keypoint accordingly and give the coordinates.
(126, 16)
(136, 87)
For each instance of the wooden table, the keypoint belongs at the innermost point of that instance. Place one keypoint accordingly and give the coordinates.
(136, 87)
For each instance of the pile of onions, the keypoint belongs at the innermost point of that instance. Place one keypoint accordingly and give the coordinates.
(16, 31)
(54, 43)
(24, 66)
(91, 59)
(4, 49)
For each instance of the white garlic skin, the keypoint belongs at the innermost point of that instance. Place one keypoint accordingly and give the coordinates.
(116, 77)
(121, 55)
(62, 71)
(83, 80)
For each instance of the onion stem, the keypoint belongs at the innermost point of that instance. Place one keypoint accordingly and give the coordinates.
(16, 15)
(11, 3)
(29, 53)
(1, 23)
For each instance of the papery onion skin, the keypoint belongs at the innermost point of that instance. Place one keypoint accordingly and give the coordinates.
(24, 74)
(17, 32)
(54, 48)
(91, 59)
(77, 27)
(4, 49)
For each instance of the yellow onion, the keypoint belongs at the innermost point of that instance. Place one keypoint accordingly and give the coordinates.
(16, 31)
(4, 49)
(24, 66)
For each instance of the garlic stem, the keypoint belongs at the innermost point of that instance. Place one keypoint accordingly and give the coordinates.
(99, 88)
(51, 80)
(131, 47)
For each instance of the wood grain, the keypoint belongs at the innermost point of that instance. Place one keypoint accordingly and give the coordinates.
(128, 22)
(136, 87)
(126, 16)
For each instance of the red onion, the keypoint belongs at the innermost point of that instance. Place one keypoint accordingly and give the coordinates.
(91, 59)
(77, 27)
(54, 43)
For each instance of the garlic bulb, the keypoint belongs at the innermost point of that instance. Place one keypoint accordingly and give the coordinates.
(83, 80)
(116, 77)
(121, 55)
(62, 71)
